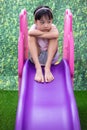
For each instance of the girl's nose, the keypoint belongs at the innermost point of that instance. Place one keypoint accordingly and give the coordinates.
(46, 25)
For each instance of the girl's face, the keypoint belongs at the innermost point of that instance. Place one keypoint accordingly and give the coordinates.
(44, 24)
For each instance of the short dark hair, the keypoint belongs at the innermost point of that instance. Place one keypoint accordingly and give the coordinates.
(43, 11)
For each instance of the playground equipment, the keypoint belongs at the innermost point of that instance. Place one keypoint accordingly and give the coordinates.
(46, 106)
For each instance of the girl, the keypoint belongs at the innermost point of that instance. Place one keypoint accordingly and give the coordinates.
(43, 46)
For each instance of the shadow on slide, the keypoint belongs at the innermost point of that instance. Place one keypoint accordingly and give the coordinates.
(47, 106)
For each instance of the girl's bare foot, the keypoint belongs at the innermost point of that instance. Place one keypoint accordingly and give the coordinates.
(48, 75)
(39, 76)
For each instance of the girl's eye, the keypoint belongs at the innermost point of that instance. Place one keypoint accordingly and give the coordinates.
(42, 22)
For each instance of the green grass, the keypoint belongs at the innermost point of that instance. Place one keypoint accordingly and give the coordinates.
(81, 100)
(8, 106)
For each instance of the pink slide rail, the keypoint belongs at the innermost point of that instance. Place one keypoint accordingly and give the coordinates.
(68, 42)
(22, 43)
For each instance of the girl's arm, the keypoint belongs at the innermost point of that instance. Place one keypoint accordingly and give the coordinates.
(53, 33)
(35, 33)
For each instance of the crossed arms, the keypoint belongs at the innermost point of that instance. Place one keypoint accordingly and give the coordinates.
(53, 33)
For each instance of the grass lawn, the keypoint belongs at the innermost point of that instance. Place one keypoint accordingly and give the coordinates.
(8, 106)
(81, 100)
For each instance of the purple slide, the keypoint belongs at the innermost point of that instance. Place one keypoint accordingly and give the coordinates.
(47, 106)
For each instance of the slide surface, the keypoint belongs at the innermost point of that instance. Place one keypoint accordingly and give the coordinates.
(47, 106)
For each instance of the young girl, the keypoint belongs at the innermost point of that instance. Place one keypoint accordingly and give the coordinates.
(43, 46)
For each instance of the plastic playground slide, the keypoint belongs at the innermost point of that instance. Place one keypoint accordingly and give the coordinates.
(46, 106)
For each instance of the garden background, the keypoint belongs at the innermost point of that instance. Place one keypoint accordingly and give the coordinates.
(9, 32)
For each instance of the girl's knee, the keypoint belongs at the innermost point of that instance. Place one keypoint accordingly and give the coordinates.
(55, 40)
(31, 39)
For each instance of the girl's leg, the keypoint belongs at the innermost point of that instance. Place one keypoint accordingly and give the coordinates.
(34, 51)
(52, 48)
